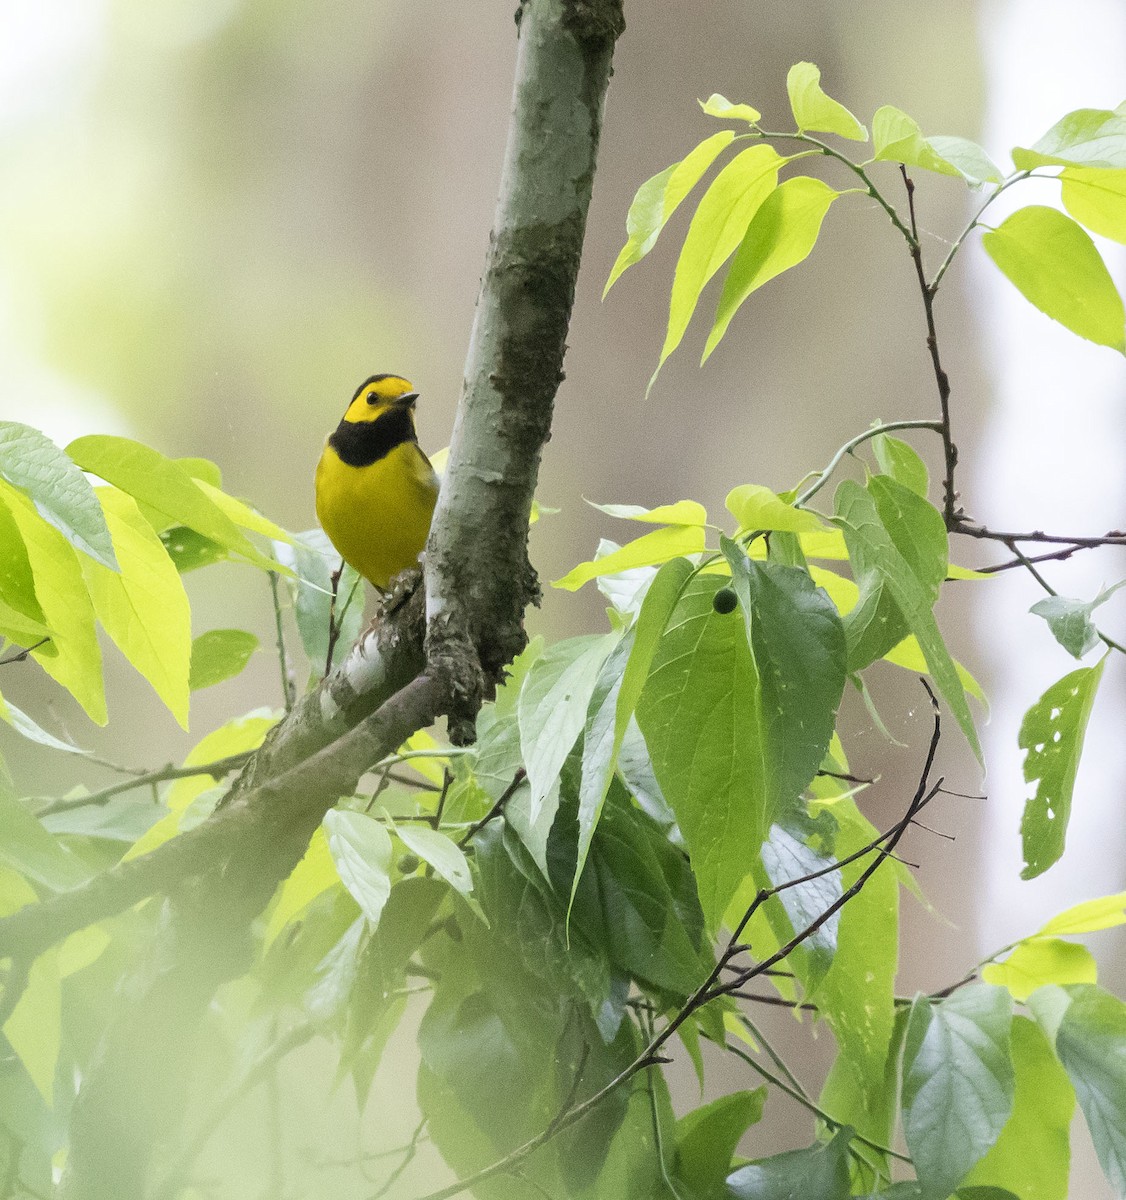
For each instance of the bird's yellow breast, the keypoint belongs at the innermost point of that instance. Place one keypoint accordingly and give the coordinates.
(377, 515)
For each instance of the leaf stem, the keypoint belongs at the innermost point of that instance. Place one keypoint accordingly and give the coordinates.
(850, 445)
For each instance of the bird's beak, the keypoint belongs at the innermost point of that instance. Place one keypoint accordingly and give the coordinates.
(407, 399)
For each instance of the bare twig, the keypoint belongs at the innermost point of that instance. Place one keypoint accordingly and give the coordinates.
(408, 1152)
(289, 691)
(216, 769)
(497, 808)
(22, 655)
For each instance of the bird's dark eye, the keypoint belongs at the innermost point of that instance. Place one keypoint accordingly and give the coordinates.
(373, 398)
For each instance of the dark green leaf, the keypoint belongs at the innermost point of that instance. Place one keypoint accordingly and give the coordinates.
(820, 1171)
(1091, 1045)
(32, 851)
(957, 1083)
(62, 495)
(1052, 734)
(189, 550)
(219, 654)
(884, 556)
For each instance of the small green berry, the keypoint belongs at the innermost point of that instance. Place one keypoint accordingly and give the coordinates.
(408, 864)
(725, 601)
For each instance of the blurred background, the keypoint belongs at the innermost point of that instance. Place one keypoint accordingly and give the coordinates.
(218, 216)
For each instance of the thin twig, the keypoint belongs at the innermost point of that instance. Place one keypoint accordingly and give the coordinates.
(256, 1073)
(968, 528)
(216, 769)
(289, 690)
(949, 450)
(496, 809)
(22, 655)
(409, 1152)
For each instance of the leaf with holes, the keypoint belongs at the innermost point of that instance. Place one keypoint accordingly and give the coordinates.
(1052, 735)
(1070, 620)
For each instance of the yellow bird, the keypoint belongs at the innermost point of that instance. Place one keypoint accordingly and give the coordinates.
(375, 489)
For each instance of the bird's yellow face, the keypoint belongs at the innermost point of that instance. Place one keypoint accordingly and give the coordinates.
(379, 394)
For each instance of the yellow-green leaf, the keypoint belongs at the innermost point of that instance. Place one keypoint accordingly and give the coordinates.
(1054, 265)
(719, 106)
(658, 198)
(34, 1030)
(909, 655)
(757, 507)
(218, 655)
(673, 541)
(1087, 137)
(1089, 917)
(313, 876)
(1039, 961)
(683, 512)
(780, 236)
(241, 734)
(898, 138)
(814, 110)
(73, 657)
(718, 227)
(1096, 199)
(143, 607)
(242, 515)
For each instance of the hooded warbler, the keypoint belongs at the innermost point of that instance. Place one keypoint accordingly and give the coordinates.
(375, 489)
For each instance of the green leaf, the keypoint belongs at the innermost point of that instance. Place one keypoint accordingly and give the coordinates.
(857, 994)
(1032, 1155)
(218, 655)
(708, 1136)
(797, 641)
(816, 111)
(898, 138)
(1055, 266)
(967, 158)
(660, 196)
(62, 495)
(782, 233)
(1039, 961)
(717, 228)
(698, 713)
(1052, 735)
(1089, 917)
(757, 507)
(1070, 620)
(143, 607)
(553, 705)
(719, 106)
(884, 560)
(601, 745)
(916, 531)
(312, 877)
(189, 550)
(1088, 137)
(899, 460)
(34, 1029)
(27, 847)
(682, 512)
(821, 1172)
(23, 724)
(958, 1083)
(312, 559)
(73, 657)
(361, 849)
(1091, 1045)
(786, 857)
(674, 541)
(163, 487)
(441, 852)
(1096, 199)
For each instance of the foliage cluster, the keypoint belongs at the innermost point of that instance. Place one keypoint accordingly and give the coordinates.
(656, 830)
